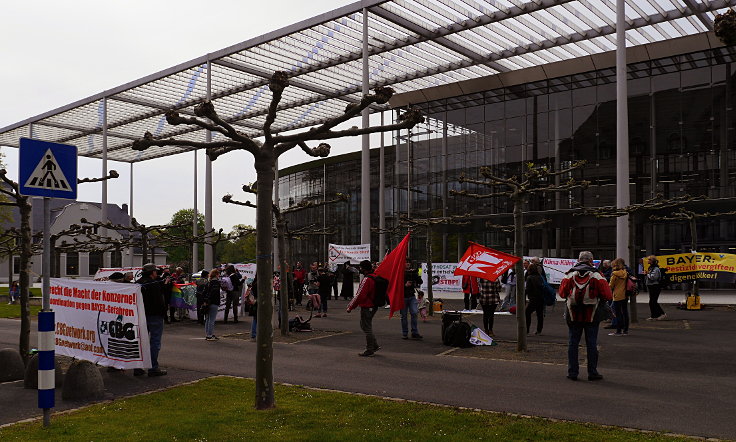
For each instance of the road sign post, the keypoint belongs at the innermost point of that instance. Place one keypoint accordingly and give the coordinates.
(48, 170)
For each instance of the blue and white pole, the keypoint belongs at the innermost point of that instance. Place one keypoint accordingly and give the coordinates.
(46, 327)
(46, 375)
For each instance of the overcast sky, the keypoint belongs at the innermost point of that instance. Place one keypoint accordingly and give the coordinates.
(56, 52)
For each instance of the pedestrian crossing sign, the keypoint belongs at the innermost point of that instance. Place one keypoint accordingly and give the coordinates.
(47, 169)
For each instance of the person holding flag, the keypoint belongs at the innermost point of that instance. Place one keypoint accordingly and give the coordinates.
(390, 275)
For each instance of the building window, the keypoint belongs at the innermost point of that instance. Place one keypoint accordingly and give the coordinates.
(116, 259)
(16, 265)
(72, 263)
(95, 262)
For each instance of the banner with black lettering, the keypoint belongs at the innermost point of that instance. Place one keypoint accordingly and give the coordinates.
(102, 322)
(687, 267)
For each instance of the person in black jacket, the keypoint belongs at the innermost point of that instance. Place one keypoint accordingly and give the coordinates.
(152, 291)
(212, 303)
(202, 295)
(534, 288)
(324, 283)
(412, 282)
(347, 280)
(233, 296)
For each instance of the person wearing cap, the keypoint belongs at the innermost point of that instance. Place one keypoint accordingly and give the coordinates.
(152, 291)
(364, 299)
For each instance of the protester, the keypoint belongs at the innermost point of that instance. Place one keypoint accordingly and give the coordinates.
(489, 298)
(152, 292)
(178, 276)
(654, 286)
(619, 276)
(232, 297)
(534, 291)
(168, 286)
(641, 281)
(584, 290)
(129, 277)
(202, 296)
(346, 291)
(116, 277)
(300, 275)
(333, 282)
(470, 292)
(212, 304)
(313, 287)
(253, 311)
(412, 282)
(509, 299)
(324, 285)
(606, 269)
(13, 292)
(364, 299)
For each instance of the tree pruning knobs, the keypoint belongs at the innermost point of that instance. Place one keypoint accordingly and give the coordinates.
(413, 115)
(279, 81)
(724, 26)
(114, 174)
(144, 143)
(227, 198)
(322, 150)
(383, 94)
(205, 110)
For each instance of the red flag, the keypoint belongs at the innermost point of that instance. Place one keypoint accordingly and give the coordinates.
(484, 263)
(392, 269)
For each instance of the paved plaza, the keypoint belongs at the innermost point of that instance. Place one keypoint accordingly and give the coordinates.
(673, 376)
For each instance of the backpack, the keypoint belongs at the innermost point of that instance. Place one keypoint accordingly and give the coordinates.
(458, 335)
(549, 292)
(298, 324)
(579, 298)
(664, 278)
(381, 291)
(226, 284)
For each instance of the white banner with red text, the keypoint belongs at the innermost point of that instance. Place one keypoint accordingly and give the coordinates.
(101, 322)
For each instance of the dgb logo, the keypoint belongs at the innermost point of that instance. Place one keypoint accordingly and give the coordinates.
(118, 339)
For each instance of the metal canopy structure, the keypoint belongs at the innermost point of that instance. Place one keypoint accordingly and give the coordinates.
(412, 44)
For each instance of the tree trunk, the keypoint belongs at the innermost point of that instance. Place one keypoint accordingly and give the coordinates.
(10, 272)
(24, 278)
(264, 165)
(430, 297)
(284, 272)
(519, 269)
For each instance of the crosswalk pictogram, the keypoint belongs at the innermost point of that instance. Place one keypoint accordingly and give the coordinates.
(48, 175)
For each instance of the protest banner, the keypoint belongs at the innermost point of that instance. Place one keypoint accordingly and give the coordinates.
(443, 277)
(484, 262)
(688, 267)
(100, 322)
(338, 254)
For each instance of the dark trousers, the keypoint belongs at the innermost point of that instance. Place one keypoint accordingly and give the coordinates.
(298, 292)
(535, 307)
(172, 309)
(231, 300)
(576, 330)
(470, 300)
(366, 324)
(323, 297)
(655, 309)
(622, 315)
(155, 331)
(200, 310)
(489, 312)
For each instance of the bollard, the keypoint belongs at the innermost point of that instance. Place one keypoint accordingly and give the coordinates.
(46, 371)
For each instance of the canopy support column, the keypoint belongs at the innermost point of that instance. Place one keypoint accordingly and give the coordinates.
(105, 215)
(195, 245)
(209, 250)
(622, 135)
(365, 158)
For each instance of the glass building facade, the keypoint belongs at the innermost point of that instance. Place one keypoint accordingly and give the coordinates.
(681, 141)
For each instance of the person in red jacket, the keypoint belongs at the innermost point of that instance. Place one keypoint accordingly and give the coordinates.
(585, 291)
(471, 292)
(364, 300)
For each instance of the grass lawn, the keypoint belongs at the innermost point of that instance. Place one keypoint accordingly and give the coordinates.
(13, 310)
(221, 409)
(35, 291)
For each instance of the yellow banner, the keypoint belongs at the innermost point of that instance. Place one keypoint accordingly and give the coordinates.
(687, 267)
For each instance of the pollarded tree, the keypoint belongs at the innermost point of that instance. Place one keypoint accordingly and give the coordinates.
(265, 155)
(534, 180)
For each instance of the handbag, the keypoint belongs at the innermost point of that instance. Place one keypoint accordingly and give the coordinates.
(249, 298)
(630, 286)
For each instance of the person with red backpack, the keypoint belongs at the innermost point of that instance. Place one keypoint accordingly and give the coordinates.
(366, 300)
(585, 291)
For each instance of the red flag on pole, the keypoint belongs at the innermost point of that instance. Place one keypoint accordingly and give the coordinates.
(392, 269)
(484, 263)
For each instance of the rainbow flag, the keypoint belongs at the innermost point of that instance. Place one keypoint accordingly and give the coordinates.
(184, 296)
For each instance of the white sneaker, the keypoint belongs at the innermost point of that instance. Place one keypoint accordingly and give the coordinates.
(651, 319)
(663, 317)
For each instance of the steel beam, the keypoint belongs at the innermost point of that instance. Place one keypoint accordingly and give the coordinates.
(702, 16)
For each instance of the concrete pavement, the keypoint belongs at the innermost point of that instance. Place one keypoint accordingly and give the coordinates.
(672, 376)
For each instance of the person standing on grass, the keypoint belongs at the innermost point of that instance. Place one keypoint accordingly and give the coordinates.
(364, 299)
(490, 296)
(654, 286)
(619, 277)
(13, 292)
(584, 290)
(212, 304)
(152, 292)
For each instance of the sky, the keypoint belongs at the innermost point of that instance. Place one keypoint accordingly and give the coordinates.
(55, 53)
